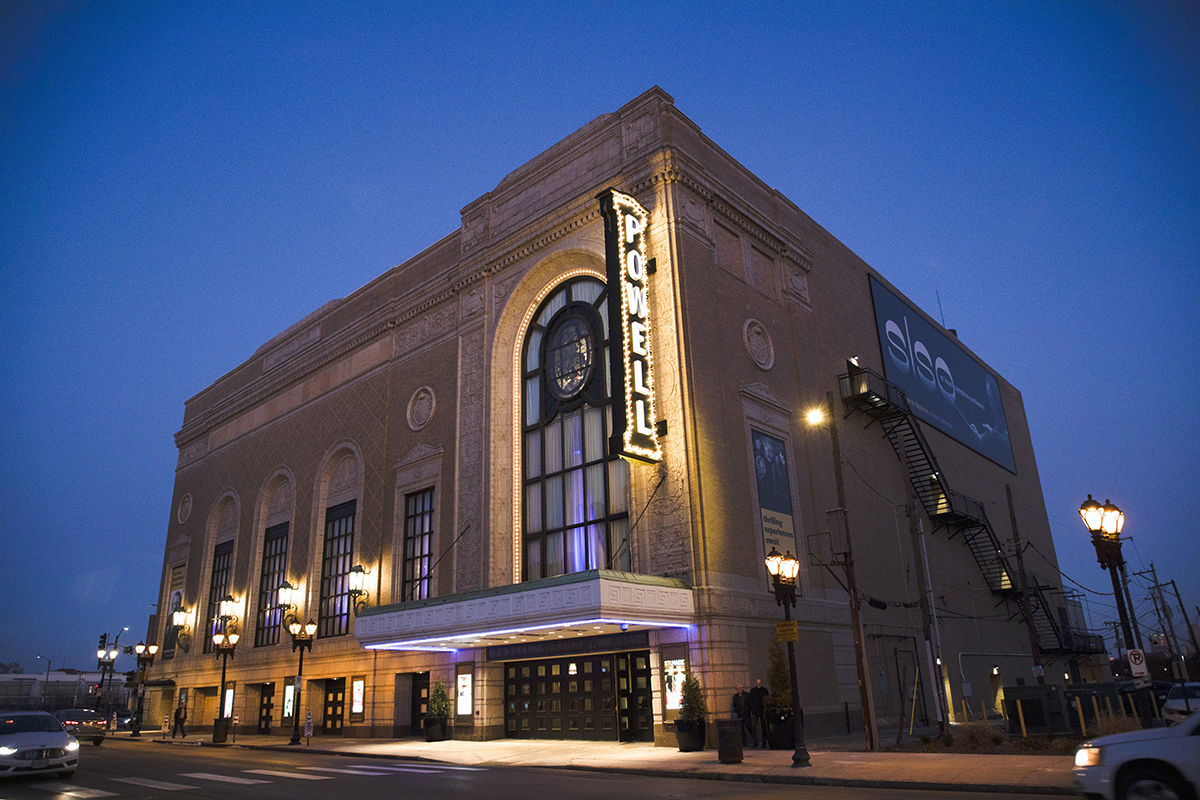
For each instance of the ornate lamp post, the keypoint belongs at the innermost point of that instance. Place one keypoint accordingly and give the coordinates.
(783, 570)
(302, 639)
(225, 638)
(145, 658)
(106, 657)
(1105, 524)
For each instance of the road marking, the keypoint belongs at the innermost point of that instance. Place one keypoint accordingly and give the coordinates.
(362, 771)
(420, 767)
(280, 774)
(212, 776)
(166, 787)
(69, 790)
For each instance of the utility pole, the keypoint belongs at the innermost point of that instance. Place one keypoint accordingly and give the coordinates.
(866, 695)
(914, 531)
(1137, 632)
(1186, 621)
(1026, 605)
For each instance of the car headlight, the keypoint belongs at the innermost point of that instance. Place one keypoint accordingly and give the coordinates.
(72, 745)
(1087, 757)
(7, 751)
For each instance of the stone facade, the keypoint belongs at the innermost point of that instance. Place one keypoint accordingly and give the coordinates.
(414, 382)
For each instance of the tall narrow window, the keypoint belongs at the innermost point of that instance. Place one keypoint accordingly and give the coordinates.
(274, 568)
(334, 616)
(418, 543)
(218, 587)
(575, 512)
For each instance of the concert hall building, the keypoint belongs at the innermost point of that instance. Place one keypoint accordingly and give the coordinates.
(543, 462)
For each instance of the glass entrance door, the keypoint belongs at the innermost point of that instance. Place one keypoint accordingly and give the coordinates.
(579, 697)
(335, 704)
(266, 705)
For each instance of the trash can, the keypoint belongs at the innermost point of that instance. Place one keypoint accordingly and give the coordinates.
(729, 741)
(220, 730)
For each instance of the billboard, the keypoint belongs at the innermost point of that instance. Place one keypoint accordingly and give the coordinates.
(946, 387)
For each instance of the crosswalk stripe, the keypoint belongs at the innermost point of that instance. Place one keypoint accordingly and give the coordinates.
(166, 787)
(281, 774)
(68, 790)
(422, 767)
(362, 771)
(212, 776)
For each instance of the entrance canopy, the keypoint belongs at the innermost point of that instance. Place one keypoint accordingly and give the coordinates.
(568, 606)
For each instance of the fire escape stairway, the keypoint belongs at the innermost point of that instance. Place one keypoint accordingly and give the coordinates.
(865, 391)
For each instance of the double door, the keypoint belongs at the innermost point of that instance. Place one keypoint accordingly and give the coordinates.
(602, 697)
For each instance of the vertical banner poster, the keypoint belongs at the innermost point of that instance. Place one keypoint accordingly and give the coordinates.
(774, 493)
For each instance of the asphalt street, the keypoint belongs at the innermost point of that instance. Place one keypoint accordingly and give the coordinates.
(140, 773)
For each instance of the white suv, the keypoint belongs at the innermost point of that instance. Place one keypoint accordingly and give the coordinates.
(1157, 762)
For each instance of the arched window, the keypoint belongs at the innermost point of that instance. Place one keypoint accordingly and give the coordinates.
(575, 510)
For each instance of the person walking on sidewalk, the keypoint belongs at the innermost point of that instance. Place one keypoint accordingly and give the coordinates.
(740, 705)
(758, 722)
(180, 720)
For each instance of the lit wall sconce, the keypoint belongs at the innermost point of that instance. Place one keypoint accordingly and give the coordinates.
(179, 621)
(358, 593)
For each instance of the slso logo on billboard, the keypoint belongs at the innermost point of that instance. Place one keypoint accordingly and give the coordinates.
(946, 387)
(635, 434)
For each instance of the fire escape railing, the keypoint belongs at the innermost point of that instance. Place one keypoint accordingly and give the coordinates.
(886, 403)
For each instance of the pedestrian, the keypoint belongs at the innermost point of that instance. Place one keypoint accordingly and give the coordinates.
(758, 722)
(180, 720)
(741, 709)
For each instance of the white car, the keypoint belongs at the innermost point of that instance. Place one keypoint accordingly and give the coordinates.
(34, 742)
(1179, 706)
(1152, 763)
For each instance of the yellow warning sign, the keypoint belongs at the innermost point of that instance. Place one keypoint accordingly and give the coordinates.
(786, 631)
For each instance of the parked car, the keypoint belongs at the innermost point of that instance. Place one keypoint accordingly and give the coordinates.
(83, 724)
(1180, 704)
(34, 742)
(1156, 762)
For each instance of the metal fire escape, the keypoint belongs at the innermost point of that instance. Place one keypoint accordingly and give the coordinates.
(865, 391)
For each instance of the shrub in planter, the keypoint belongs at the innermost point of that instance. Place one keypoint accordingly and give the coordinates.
(437, 719)
(689, 725)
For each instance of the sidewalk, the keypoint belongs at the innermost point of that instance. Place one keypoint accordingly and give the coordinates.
(833, 762)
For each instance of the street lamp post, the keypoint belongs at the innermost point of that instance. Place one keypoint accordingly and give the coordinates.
(225, 638)
(783, 570)
(1105, 524)
(47, 660)
(302, 639)
(145, 658)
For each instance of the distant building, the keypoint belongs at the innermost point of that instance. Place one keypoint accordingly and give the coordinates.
(67, 688)
(560, 447)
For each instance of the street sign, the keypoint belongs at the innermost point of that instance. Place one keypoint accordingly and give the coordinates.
(1038, 671)
(308, 728)
(1141, 683)
(786, 632)
(1137, 664)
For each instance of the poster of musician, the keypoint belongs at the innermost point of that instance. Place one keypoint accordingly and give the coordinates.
(772, 478)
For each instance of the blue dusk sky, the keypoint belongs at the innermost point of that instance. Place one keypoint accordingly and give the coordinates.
(179, 182)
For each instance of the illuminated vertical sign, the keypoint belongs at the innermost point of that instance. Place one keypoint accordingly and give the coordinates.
(631, 364)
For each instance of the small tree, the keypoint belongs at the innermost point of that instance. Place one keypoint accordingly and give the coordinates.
(691, 703)
(439, 702)
(779, 678)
